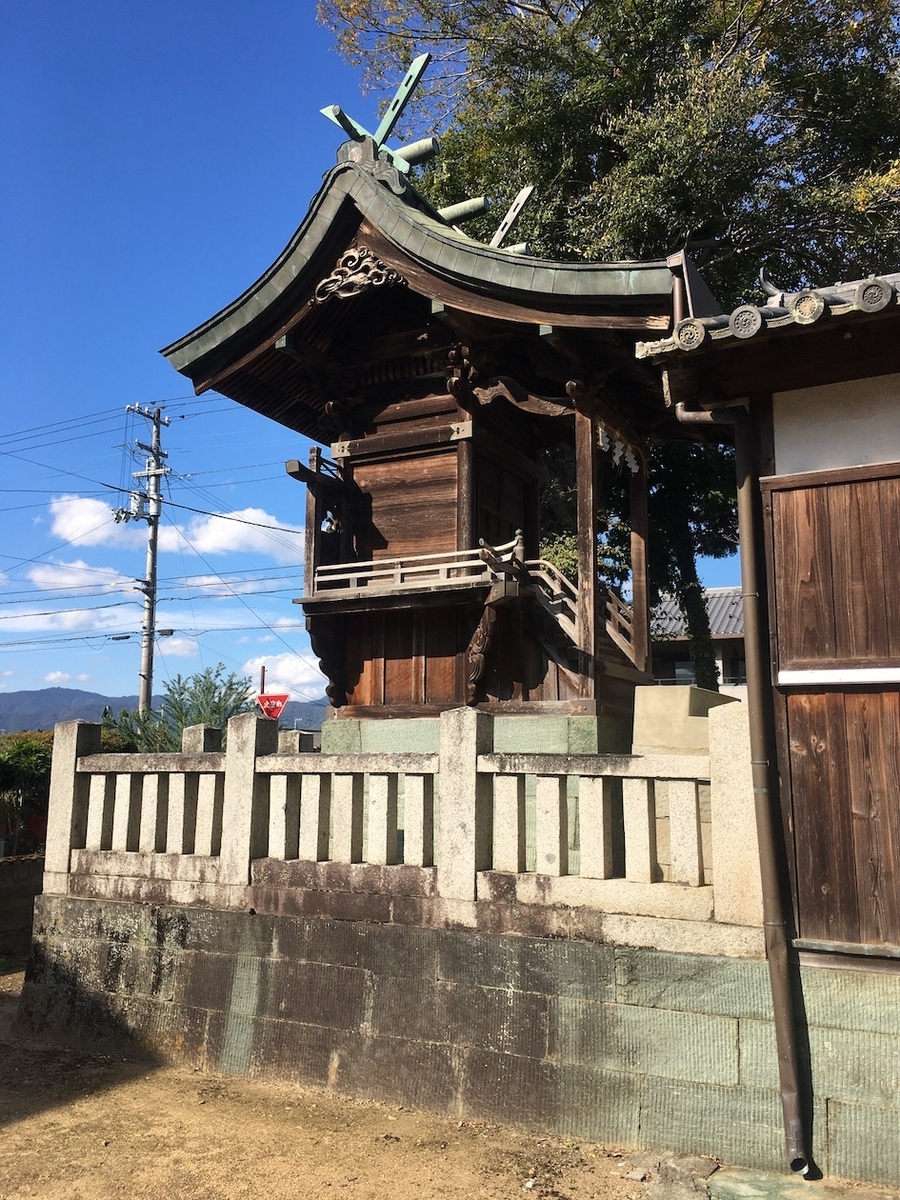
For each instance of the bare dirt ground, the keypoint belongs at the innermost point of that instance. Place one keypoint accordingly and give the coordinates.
(81, 1126)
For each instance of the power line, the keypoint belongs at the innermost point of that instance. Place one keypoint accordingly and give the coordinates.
(57, 612)
(228, 517)
(237, 596)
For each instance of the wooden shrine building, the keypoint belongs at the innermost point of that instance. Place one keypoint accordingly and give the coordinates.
(433, 371)
(817, 373)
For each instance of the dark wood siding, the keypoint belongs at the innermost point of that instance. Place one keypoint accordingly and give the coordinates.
(836, 557)
(500, 503)
(413, 505)
(833, 551)
(845, 783)
(408, 658)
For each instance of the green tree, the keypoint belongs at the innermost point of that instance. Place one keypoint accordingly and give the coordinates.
(24, 782)
(208, 698)
(748, 132)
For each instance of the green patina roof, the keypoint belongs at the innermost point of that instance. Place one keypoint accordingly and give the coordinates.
(370, 186)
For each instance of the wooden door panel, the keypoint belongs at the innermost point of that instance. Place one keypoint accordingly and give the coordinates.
(803, 571)
(825, 865)
(873, 734)
(889, 521)
(857, 573)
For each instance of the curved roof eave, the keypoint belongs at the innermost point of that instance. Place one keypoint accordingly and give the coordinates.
(440, 249)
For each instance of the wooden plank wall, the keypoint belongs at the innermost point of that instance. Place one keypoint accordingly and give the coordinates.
(413, 504)
(835, 599)
(837, 569)
(845, 780)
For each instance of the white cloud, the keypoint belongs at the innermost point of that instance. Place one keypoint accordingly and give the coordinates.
(288, 673)
(118, 619)
(215, 587)
(81, 521)
(269, 637)
(175, 647)
(7, 674)
(78, 577)
(64, 677)
(230, 533)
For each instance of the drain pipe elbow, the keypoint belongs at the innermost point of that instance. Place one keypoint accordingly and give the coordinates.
(714, 416)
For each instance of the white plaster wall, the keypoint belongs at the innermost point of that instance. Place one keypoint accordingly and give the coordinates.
(838, 425)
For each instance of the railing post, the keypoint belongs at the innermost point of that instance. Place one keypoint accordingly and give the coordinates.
(685, 852)
(464, 811)
(596, 827)
(552, 825)
(245, 816)
(639, 810)
(67, 817)
(284, 802)
(184, 790)
(382, 819)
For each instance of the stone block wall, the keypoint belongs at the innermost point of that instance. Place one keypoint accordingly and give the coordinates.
(611, 1043)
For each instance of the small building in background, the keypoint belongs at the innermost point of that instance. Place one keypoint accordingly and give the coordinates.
(671, 644)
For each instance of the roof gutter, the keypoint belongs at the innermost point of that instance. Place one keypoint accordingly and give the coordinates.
(765, 788)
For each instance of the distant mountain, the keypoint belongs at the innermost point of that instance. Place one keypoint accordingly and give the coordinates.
(44, 708)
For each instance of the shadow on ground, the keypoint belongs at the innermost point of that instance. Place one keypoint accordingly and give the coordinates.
(46, 1064)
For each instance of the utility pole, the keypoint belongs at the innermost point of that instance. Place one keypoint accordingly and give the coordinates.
(145, 506)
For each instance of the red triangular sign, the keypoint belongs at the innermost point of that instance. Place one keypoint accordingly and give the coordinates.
(273, 705)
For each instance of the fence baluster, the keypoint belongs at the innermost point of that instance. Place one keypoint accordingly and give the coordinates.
(315, 818)
(509, 823)
(639, 809)
(418, 820)
(382, 846)
(552, 825)
(684, 833)
(347, 808)
(595, 813)
(101, 798)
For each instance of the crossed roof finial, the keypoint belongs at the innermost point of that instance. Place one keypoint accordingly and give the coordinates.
(392, 114)
(406, 156)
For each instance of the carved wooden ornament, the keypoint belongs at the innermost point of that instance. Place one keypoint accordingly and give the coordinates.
(357, 270)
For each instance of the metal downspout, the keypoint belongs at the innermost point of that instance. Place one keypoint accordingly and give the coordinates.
(765, 788)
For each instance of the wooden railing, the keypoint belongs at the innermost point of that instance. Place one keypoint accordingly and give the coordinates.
(463, 568)
(447, 569)
(202, 826)
(619, 623)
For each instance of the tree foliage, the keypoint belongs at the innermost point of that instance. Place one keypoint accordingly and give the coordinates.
(24, 782)
(752, 133)
(208, 698)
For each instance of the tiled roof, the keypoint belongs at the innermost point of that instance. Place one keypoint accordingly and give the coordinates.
(414, 227)
(726, 615)
(785, 310)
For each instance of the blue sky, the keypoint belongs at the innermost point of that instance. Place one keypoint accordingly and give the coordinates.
(156, 159)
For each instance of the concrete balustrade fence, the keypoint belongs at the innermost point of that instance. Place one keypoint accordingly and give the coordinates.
(565, 940)
(551, 842)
